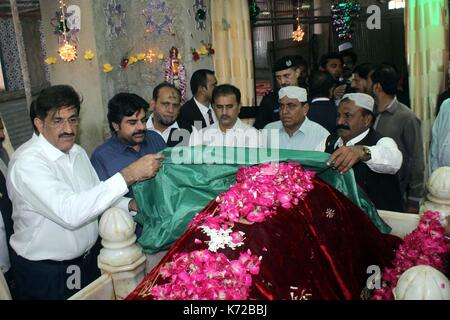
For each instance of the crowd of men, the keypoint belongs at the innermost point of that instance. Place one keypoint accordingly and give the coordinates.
(52, 193)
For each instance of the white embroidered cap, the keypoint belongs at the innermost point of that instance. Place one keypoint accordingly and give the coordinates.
(293, 92)
(362, 100)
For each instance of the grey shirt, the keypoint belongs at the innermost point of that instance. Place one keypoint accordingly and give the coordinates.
(401, 124)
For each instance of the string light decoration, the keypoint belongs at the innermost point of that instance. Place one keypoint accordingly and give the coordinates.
(67, 52)
(342, 14)
(298, 34)
(150, 56)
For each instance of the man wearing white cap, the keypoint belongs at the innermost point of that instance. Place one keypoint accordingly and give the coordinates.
(375, 159)
(296, 131)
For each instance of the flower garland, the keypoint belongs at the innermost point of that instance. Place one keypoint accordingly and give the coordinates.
(206, 274)
(205, 49)
(175, 73)
(426, 245)
(202, 275)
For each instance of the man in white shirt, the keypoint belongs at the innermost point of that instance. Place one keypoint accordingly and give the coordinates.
(375, 159)
(57, 198)
(295, 130)
(229, 130)
(165, 107)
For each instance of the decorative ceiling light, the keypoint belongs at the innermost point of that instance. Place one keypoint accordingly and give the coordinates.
(67, 52)
(298, 34)
(396, 4)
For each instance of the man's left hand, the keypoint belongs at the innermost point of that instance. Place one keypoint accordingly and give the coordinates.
(344, 158)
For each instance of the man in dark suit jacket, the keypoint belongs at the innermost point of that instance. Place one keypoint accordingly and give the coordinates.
(322, 109)
(198, 111)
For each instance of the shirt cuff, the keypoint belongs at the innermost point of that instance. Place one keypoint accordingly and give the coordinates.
(122, 203)
(117, 184)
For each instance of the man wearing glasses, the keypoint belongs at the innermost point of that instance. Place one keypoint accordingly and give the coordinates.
(57, 198)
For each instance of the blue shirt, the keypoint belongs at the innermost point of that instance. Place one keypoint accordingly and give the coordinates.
(114, 155)
(440, 141)
(307, 137)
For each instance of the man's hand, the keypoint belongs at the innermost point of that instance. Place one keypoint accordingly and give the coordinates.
(339, 91)
(145, 168)
(132, 205)
(344, 158)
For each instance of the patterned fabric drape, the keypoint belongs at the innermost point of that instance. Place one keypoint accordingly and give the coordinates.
(427, 27)
(231, 37)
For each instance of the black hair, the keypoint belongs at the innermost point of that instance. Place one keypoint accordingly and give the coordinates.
(200, 79)
(55, 98)
(164, 85)
(225, 90)
(351, 54)
(387, 77)
(364, 69)
(32, 114)
(124, 105)
(329, 56)
(320, 83)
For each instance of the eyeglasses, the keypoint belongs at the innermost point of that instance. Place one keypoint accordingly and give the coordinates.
(59, 122)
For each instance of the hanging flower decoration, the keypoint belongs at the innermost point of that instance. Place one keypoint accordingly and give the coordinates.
(50, 60)
(88, 55)
(200, 10)
(175, 73)
(426, 245)
(158, 17)
(140, 56)
(107, 68)
(343, 12)
(115, 19)
(205, 49)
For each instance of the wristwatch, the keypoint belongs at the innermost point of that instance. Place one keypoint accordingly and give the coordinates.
(367, 154)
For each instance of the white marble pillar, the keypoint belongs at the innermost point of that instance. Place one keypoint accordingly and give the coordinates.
(438, 197)
(120, 256)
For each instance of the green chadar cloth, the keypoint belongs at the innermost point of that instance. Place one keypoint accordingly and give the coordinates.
(191, 177)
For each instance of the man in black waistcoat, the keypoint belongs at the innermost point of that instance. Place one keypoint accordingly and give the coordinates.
(375, 159)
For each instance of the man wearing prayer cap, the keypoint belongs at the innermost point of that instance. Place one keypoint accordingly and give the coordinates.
(295, 130)
(374, 159)
(289, 71)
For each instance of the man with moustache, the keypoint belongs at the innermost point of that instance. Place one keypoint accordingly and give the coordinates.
(165, 107)
(57, 199)
(294, 131)
(130, 139)
(289, 71)
(374, 159)
(229, 131)
(361, 81)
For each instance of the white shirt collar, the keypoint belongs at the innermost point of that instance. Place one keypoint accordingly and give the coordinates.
(238, 125)
(353, 141)
(203, 109)
(300, 129)
(392, 103)
(52, 152)
(320, 99)
(151, 126)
